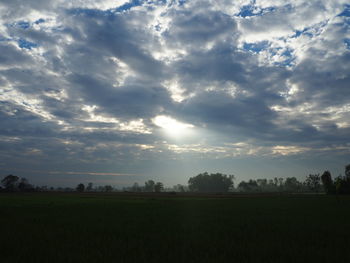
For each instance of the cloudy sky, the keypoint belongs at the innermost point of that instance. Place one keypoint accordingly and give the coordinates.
(118, 91)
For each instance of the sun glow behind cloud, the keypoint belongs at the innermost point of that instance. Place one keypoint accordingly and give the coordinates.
(173, 127)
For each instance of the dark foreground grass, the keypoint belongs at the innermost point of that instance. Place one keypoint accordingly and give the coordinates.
(112, 228)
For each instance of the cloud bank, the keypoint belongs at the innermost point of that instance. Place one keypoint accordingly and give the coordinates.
(82, 81)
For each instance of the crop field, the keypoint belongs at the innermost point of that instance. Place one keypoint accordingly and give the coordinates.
(88, 227)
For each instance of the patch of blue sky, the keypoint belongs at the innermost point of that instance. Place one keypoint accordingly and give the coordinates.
(256, 47)
(287, 58)
(134, 3)
(305, 31)
(346, 11)
(20, 24)
(285, 63)
(23, 24)
(39, 21)
(158, 2)
(110, 12)
(311, 31)
(298, 33)
(346, 20)
(182, 2)
(287, 53)
(129, 5)
(4, 39)
(252, 10)
(22, 43)
(158, 27)
(90, 12)
(347, 43)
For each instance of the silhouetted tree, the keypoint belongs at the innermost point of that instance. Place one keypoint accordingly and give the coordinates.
(313, 182)
(342, 185)
(24, 185)
(339, 184)
(136, 188)
(250, 186)
(80, 188)
(179, 188)
(42, 188)
(291, 184)
(108, 188)
(347, 171)
(89, 187)
(262, 184)
(158, 187)
(10, 183)
(327, 182)
(149, 186)
(280, 182)
(272, 186)
(205, 182)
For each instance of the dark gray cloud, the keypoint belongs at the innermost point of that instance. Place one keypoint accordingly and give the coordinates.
(189, 27)
(123, 102)
(10, 56)
(323, 78)
(100, 34)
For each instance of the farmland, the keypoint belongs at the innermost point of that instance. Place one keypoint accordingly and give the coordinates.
(97, 227)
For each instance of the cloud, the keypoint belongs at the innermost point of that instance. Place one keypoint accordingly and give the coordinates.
(12, 56)
(199, 28)
(81, 81)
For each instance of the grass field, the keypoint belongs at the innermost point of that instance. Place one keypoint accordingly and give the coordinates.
(49, 227)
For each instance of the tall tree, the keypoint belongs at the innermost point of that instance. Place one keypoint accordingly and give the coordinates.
(347, 171)
(327, 182)
(24, 185)
(291, 184)
(250, 186)
(342, 183)
(158, 187)
(108, 188)
(262, 183)
(80, 188)
(89, 187)
(149, 186)
(205, 182)
(313, 182)
(10, 183)
(136, 188)
(179, 188)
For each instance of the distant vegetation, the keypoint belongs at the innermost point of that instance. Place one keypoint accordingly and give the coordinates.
(211, 183)
(207, 183)
(12, 183)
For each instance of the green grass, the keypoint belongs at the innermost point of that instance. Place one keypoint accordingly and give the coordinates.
(42, 227)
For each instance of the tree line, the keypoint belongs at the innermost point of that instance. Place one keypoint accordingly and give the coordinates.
(13, 183)
(340, 184)
(208, 183)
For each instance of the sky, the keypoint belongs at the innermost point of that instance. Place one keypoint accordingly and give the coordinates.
(117, 91)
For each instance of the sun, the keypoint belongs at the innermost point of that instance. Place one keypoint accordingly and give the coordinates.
(172, 127)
